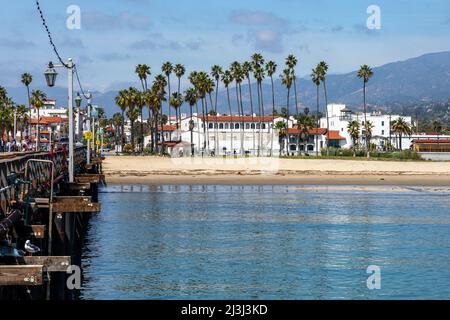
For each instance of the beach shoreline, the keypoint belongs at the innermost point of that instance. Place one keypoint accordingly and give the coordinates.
(273, 171)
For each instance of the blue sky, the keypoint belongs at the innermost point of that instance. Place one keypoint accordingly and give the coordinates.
(116, 35)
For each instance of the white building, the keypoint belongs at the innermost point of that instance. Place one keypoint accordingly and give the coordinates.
(50, 110)
(236, 135)
(339, 116)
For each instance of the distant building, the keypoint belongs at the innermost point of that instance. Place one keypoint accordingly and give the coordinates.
(339, 117)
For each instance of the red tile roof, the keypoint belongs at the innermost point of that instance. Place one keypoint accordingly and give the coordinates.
(333, 134)
(49, 120)
(311, 131)
(167, 128)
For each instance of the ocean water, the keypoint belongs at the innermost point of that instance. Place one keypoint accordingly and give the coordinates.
(267, 242)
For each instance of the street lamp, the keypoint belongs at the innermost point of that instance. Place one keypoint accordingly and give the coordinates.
(50, 77)
(78, 100)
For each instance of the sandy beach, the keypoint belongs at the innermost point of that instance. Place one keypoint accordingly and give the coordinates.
(157, 170)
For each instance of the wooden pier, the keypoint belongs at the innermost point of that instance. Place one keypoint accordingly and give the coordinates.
(37, 203)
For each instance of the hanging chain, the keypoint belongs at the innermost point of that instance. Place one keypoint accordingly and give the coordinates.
(44, 23)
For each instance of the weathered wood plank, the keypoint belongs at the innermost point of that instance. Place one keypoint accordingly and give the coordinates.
(85, 207)
(21, 275)
(71, 199)
(50, 264)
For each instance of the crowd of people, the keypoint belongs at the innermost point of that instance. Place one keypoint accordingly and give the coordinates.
(16, 146)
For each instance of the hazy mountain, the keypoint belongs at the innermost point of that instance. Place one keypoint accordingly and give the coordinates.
(416, 80)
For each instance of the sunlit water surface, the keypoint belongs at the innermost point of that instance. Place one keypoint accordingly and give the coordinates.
(267, 242)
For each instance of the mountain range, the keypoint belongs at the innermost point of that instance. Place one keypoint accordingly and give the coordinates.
(413, 81)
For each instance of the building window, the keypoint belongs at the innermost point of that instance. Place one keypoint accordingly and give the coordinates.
(220, 125)
(247, 126)
(253, 126)
(236, 125)
(210, 125)
(264, 126)
(382, 124)
(382, 132)
(257, 126)
(226, 126)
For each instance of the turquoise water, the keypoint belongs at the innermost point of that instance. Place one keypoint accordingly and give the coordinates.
(267, 242)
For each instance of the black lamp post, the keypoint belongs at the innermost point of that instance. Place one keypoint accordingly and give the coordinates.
(50, 75)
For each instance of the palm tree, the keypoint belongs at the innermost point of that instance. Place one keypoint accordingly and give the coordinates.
(365, 73)
(401, 127)
(315, 77)
(286, 80)
(37, 100)
(167, 69)
(353, 130)
(27, 79)
(176, 100)
(155, 99)
(247, 67)
(227, 78)
(236, 71)
(190, 96)
(282, 133)
(271, 68)
(179, 71)
(216, 72)
(291, 63)
(323, 68)
(143, 71)
(122, 101)
(259, 74)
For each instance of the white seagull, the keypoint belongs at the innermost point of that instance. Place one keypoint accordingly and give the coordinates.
(31, 248)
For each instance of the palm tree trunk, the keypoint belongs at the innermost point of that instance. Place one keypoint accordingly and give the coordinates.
(215, 111)
(29, 108)
(273, 115)
(297, 113)
(214, 125)
(261, 119)
(259, 122)
(287, 121)
(317, 121)
(328, 120)
(122, 131)
(365, 121)
(204, 126)
(192, 131)
(37, 131)
(242, 122)
(231, 118)
(251, 110)
(168, 104)
(198, 127)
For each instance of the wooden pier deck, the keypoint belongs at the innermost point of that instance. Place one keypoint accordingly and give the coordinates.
(55, 222)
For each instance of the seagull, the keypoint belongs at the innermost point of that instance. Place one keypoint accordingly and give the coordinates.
(31, 248)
